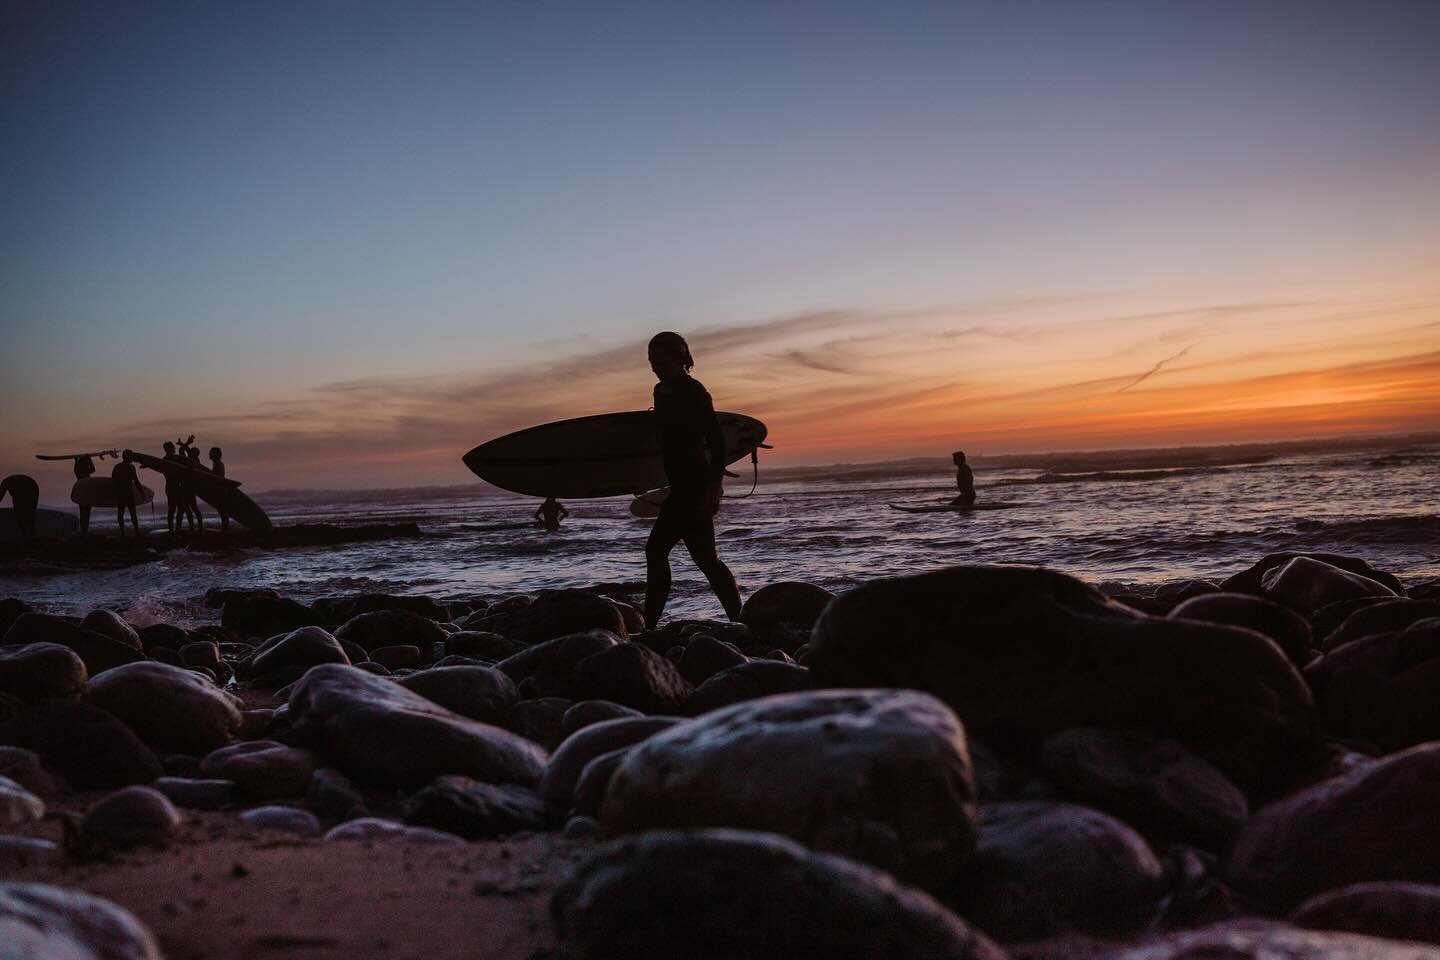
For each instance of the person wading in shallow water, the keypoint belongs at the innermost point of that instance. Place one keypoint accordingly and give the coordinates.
(687, 428)
(25, 496)
(964, 479)
(550, 513)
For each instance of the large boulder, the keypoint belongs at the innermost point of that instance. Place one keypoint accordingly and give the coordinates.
(480, 693)
(341, 609)
(98, 651)
(1376, 823)
(112, 625)
(789, 603)
(704, 656)
(747, 681)
(1382, 616)
(482, 644)
(631, 675)
(475, 810)
(90, 746)
(1042, 868)
(131, 817)
(1396, 911)
(41, 922)
(1021, 653)
(1265, 940)
(1251, 580)
(303, 647)
(264, 614)
(173, 709)
(263, 769)
(376, 730)
(554, 613)
(725, 894)
(1307, 584)
(877, 775)
(569, 761)
(550, 664)
(1289, 630)
(1384, 687)
(41, 671)
(1153, 782)
(391, 628)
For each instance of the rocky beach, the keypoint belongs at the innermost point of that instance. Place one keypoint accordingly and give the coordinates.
(971, 761)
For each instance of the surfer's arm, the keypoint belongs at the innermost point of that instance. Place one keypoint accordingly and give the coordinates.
(714, 437)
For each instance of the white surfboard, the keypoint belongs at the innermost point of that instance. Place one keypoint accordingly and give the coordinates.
(610, 455)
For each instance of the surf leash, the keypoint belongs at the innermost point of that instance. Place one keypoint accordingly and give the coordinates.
(754, 472)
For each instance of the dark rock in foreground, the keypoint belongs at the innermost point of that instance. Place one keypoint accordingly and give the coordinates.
(1020, 653)
(1377, 823)
(91, 747)
(473, 810)
(882, 776)
(1261, 940)
(1397, 911)
(375, 729)
(724, 895)
(45, 922)
(1043, 868)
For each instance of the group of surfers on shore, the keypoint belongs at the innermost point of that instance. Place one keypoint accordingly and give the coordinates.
(182, 503)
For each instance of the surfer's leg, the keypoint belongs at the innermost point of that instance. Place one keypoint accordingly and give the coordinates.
(84, 519)
(134, 521)
(663, 537)
(700, 541)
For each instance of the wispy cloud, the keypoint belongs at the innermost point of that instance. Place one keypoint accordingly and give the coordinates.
(1156, 369)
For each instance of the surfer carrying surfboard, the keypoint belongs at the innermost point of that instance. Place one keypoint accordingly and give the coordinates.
(692, 449)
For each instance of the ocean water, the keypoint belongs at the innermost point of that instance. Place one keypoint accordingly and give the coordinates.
(1119, 528)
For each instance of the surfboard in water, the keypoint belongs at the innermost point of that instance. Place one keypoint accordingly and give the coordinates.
(609, 455)
(952, 507)
(220, 492)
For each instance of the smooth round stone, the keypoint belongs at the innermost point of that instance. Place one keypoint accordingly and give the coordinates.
(18, 805)
(729, 894)
(791, 602)
(473, 810)
(1396, 911)
(704, 656)
(111, 624)
(197, 793)
(283, 820)
(1267, 940)
(389, 628)
(589, 712)
(41, 671)
(262, 768)
(569, 761)
(882, 776)
(171, 708)
(18, 852)
(398, 657)
(41, 922)
(1042, 868)
(25, 768)
(133, 816)
(1307, 584)
(480, 693)
(374, 828)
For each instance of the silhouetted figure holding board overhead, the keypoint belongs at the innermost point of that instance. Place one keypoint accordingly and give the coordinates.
(964, 479)
(692, 449)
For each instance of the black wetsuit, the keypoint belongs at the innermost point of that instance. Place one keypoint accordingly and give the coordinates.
(692, 449)
(965, 483)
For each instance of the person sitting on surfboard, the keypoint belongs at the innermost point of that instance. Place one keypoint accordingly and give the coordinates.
(127, 486)
(686, 425)
(551, 512)
(217, 467)
(964, 479)
(25, 495)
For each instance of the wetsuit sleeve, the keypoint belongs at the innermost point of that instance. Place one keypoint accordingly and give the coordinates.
(714, 438)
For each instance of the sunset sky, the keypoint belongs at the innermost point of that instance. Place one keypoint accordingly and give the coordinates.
(349, 241)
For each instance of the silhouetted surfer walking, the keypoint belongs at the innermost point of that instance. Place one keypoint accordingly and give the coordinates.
(686, 425)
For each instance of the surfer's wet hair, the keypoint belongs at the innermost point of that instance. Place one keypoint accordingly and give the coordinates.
(215, 453)
(671, 343)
